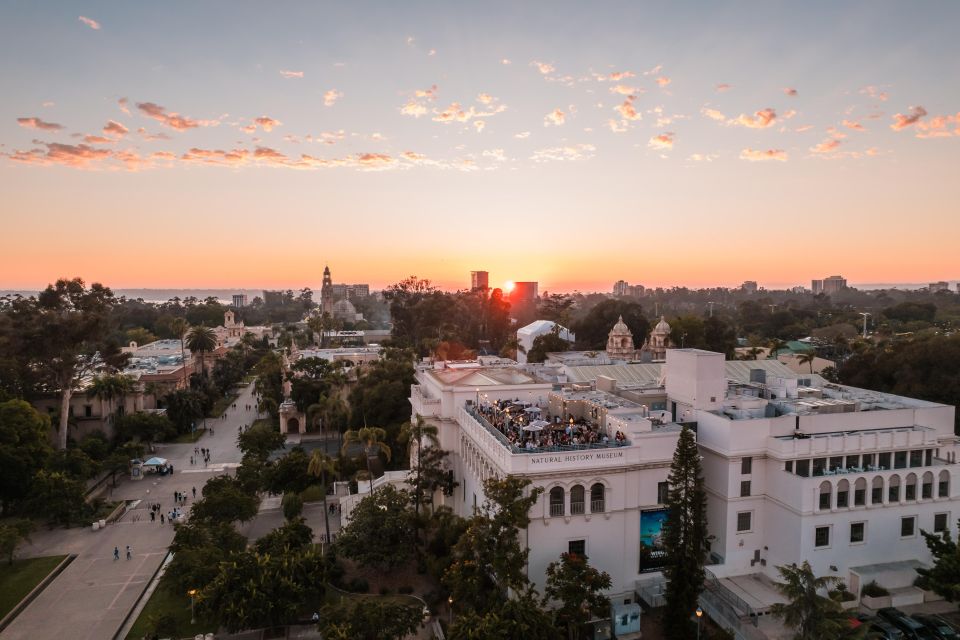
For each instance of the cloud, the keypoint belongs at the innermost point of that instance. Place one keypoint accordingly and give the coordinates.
(902, 121)
(123, 105)
(664, 141)
(506, 61)
(429, 94)
(875, 92)
(827, 146)
(851, 124)
(453, 113)
(291, 74)
(77, 156)
(568, 152)
(803, 128)
(939, 127)
(375, 161)
(216, 156)
(48, 103)
(625, 90)
(702, 157)
(663, 81)
(759, 120)
(37, 123)
(790, 91)
(523, 135)
(90, 22)
(555, 118)
(723, 86)
(331, 137)
(432, 52)
(713, 114)
(653, 71)
(98, 140)
(413, 108)
(330, 97)
(617, 126)
(266, 123)
(485, 98)
(114, 128)
(615, 76)
(627, 111)
(170, 119)
(758, 155)
(479, 125)
(146, 135)
(543, 67)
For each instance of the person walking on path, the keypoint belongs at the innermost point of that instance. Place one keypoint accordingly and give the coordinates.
(129, 555)
(161, 518)
(116, 553)
(194, 493)
(153, 516)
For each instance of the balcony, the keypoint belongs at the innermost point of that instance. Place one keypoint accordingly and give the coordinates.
(513, 448)
(422, 404)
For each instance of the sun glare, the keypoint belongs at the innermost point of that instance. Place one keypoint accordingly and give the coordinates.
(508, 286)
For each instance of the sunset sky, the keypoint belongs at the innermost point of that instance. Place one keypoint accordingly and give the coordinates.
(233, 144)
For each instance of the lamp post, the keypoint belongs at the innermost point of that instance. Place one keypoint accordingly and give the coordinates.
(699, 615)
(450, 602)
(193, 597)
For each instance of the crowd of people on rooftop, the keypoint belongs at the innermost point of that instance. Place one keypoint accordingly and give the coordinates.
(522, 424)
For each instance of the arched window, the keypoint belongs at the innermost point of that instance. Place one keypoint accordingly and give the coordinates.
(556, 501)
(926, 490)
(843, 494)
(577, 506)
(826, 495)
(598, 502)
(910, 487)
(876, 491)
(893, 489)
(943, 490)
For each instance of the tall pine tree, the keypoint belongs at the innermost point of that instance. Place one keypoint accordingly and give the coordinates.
(685, 538)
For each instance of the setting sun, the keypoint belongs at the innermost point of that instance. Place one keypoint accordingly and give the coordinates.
(508, 286)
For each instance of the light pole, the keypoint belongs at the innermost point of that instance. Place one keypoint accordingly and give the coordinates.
(450, 602)
(865, 316)
(699, 615)
(193, 596)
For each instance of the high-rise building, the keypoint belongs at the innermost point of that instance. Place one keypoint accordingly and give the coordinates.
(936, 287)
(479, 280)
(621, 288)
(749, 287)
(239, 300)
(523, 301)
(828, 286)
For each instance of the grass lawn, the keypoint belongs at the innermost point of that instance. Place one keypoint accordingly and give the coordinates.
(164, 603)
(188, 438)
(16, 581)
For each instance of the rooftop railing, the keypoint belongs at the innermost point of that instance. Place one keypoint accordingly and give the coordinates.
(513, 448)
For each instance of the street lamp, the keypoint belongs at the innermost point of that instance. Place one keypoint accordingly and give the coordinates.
(699, 613)
(193, 597)
(450, 602)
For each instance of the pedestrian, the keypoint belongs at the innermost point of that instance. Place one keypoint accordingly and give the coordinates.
(153, 516)
(129, 555)
(191, 461)
(194, 493)
(116, 553)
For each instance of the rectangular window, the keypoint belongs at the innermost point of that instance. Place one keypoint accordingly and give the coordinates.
(88, 410)
(821, 537)
(927, 491)
(746, 466)
(876, 495)
(789, 466)
(744, 488)
(663, 490)
(916, 458)
(836, 462)
(819, 464)
(928, 459)
(857, 530)
(852, 461)
(825, 500)
(744, 521)
(939, 522)
(859, 497)
(577, 547)
(943, 488)
(842, 499)
(893, 493)
(900, 460)
(884, 462)
(803, 468)
(907, 527)
(868, 459)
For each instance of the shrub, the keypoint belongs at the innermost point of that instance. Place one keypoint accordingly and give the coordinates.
(358, 585)
(406, 589)
(384, 591)
(873, 590)
(313, 493)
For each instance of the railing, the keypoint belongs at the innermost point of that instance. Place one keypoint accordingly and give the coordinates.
(576, 508)
(476, 415)
(597, 506)
(738, 604)
(556, 510)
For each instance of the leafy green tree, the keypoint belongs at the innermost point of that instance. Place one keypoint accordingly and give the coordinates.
(184, 407)
(180, 327)
(145, 426)
(199, 546)
(577, 587)
(685, 537)
(292, 505)
(381, 394)
(108, 389)
(201, 340)
(518, 617)
(260, 440)
(418, 435)
(943, 577)
(811, 615)
(288, 473)
(719, 336)
(370, 619)
(380, 530)
(371, 441)
(547, 343)
(57, 497)
(320, 466)
(12, 533)
(24, 450)
(293, 537)
(269, 383)
(594, 328)
(688, 331)
(224, 500)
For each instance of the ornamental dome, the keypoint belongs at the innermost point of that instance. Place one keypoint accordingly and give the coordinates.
(620, 329)
(662, 326)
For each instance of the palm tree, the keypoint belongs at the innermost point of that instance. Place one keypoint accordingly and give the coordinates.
(776, 346)
(314, 411)
(807, 357)
(753, 352)
(320, 465)
(180, 327)
(811, 615)
(413, 434)
(107, 389)
(201, 340)
(371, 441)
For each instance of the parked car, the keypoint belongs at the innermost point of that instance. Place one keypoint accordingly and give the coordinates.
(912, 630)
(882, 630)
(940, 628)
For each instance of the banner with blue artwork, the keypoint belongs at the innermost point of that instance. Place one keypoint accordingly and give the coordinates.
(652, 554)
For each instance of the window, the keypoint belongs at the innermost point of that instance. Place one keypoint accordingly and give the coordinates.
(916, 458)
(88, 410)
(803, 468)
(556, 501)
(939, 522)
(744, 519)
(876, 495)
(744, 488)
(868, 459)
(852, 461)
(597, 498)
(900, 460)
(821, 537)
(819, 464)
(907, 527)
(663, 490)
(911, 492)
(826, 495)
(842, 499)
(943, 488)
(893, 494)
(789, 466)
(836, 462)
(746, 466)
(577, 505)
(860, 493)
(857, 530)
(927, 490)
(884, 460)
(928, 458)
(577, 547)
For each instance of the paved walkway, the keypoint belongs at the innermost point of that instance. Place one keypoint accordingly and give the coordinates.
(89, 600)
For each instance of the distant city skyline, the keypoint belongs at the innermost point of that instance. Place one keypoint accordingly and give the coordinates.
(565, 143)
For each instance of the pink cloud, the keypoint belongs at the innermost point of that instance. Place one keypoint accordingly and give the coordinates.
(114, 128)
(759, 120)
(289, 75)
(939, 127)
(330, 97)
(123, 105)
(90, 22)
(664, 141)
(827, 146)
(713, 114)
(615, 76)
(98, 140)
(429, 94)
(723, 86)
(902, 121)
(567, 152)
(77, 156)
(854, 125)
(485, 98)
(790, 91)
(146, 135)
(37, 123)
(556, 118)
(170, 119)
(875, 93)
(543, 67)
(413, 108)
(663, 81)
(627, 111)
(453, 113)
(759, 155)
(216, 156)
(624, 90)
(479, 125)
